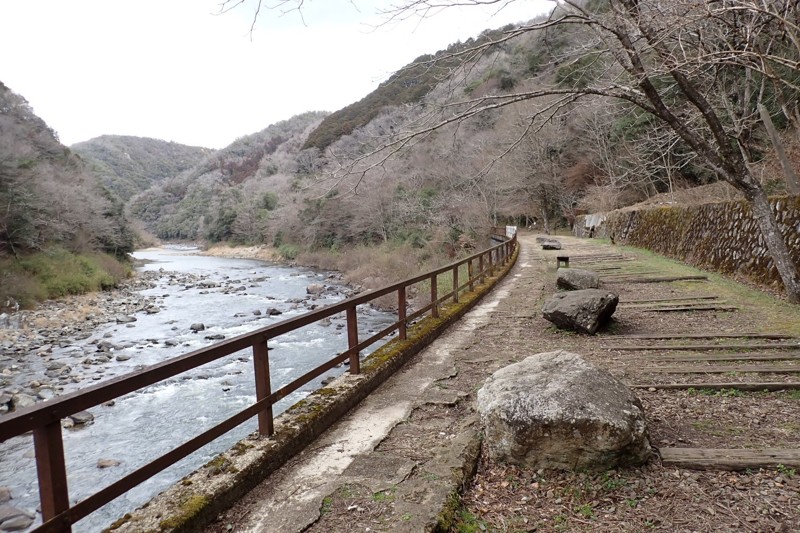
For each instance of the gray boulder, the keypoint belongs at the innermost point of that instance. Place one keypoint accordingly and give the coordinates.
(573, 279)
(197, 326)
(82, 418)
(13, 519)
(315, 288)
(556, 411)
(551, 245)
(584, 311)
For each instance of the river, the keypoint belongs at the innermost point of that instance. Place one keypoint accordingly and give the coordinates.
(229, 297)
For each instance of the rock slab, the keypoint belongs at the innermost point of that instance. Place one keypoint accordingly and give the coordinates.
(554, 410)
(584, 311)
(574, 279)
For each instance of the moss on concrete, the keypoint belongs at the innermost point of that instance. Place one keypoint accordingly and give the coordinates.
(189, 509)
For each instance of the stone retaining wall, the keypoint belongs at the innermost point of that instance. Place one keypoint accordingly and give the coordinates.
(721, 237)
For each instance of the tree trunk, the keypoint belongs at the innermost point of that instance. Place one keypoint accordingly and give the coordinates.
(768, 224)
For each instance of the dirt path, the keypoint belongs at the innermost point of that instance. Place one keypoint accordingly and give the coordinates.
(396, 461)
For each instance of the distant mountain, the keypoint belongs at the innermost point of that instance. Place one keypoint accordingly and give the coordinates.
(129, 165)
(230, 194)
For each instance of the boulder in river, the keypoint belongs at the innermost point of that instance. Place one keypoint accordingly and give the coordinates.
(197, 326)
(315, 288)
(124, 319)
(13, 519)
(5, 494)
(82, 418)
(22, 400)
(274, 312)
(107, 463)
(554, 410)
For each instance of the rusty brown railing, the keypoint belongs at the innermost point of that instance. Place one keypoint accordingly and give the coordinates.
(44, 419)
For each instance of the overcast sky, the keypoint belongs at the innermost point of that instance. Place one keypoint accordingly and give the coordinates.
(176, 70)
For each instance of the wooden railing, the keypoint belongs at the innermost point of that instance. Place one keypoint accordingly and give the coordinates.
(44, 419)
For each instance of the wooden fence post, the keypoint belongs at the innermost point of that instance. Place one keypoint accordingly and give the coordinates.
(401, 313)
(455, 284)
(263, 387)
(352, 340)
(51, 470)
(434, 297)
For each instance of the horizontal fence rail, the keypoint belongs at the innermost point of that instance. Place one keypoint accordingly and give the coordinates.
(44, 419)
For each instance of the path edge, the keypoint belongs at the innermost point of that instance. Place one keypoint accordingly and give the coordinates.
(197, 499)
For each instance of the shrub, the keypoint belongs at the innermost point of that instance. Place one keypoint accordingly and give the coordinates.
(58, 273)
(288, 251)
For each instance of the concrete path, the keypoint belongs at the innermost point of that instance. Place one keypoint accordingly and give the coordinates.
(394, 462)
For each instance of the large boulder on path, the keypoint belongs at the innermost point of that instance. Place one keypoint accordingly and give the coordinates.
(584, 311)
(573, 279)
(551, 245)
(556, 411)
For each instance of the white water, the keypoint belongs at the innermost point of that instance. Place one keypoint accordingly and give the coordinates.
(143, 425)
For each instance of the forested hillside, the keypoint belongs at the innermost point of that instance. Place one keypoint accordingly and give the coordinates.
(520, 125)
(129, 165)
(53, 205)
(599, 105)
(231, 194)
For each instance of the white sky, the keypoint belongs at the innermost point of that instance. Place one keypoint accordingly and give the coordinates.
(174, 70)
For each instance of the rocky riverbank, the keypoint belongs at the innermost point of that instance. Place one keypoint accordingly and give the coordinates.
(29, 339)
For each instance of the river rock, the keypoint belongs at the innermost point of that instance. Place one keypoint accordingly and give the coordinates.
(573, 279)
(171, 342)
(5, 494)
(315, 288)
(124, 319)
(45, 394)
(82, 418)
(107, 463)
(197, 326)
(123, 357)
(215, 337)
(556, 411)
(274, 312)
(21, 400)
(105, 346)
(6, 402)
(257, 312)
(13, 519)
(584, 311)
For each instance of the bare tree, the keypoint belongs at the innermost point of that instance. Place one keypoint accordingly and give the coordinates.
(700, 67)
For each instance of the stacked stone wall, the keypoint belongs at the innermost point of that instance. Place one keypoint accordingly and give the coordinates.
(721, 237)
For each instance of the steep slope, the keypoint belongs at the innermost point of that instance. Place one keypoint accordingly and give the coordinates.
(129, 165)
(48, 194)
